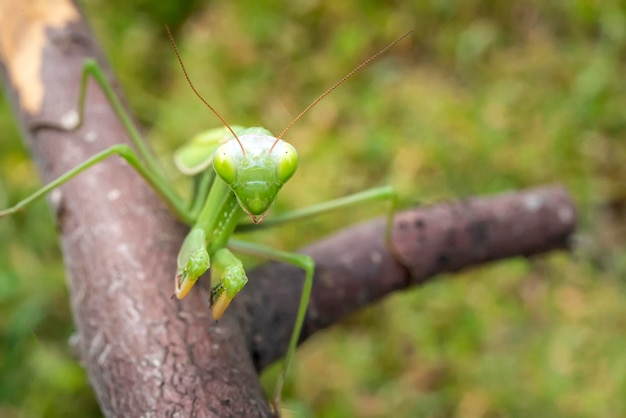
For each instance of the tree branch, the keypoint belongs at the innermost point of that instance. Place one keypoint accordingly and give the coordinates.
(144, 352)
(354, 267)
(147, 353)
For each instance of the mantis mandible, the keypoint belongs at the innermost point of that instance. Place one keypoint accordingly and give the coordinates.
(238, 171)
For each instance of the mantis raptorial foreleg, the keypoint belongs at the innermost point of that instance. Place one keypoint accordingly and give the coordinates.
(201, 187)
(193, 258)
(227, 279)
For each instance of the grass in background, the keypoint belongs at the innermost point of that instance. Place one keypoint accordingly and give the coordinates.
(486, 97)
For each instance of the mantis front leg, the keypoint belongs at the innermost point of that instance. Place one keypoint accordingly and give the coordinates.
(193, 261)
(228, 277)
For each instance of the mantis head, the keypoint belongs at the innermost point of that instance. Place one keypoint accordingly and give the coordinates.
(255, 168)
(256, 165)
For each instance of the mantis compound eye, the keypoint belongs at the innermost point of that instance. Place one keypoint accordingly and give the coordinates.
(286, 160)
(224, 164)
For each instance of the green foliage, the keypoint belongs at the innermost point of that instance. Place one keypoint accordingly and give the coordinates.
(488, 96)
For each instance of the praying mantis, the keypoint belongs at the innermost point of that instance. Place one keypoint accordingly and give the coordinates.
(237, 172)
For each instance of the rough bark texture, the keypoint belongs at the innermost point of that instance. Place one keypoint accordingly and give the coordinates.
(144, 352)
(147, 354)
(355, 267)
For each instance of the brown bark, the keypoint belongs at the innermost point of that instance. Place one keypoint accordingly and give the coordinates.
(147, 353)
(354, 267)
(143, 351)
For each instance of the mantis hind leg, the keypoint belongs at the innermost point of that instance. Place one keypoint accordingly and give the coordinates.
(142, 160)
(75, 121)
(173, 201)
(308, 265)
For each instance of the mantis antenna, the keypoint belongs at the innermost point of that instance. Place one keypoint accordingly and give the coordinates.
(180, 61)
(337, 84)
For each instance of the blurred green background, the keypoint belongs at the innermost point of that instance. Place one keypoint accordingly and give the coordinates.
(487, 96)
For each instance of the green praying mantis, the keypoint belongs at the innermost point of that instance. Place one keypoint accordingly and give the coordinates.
(237, 171)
